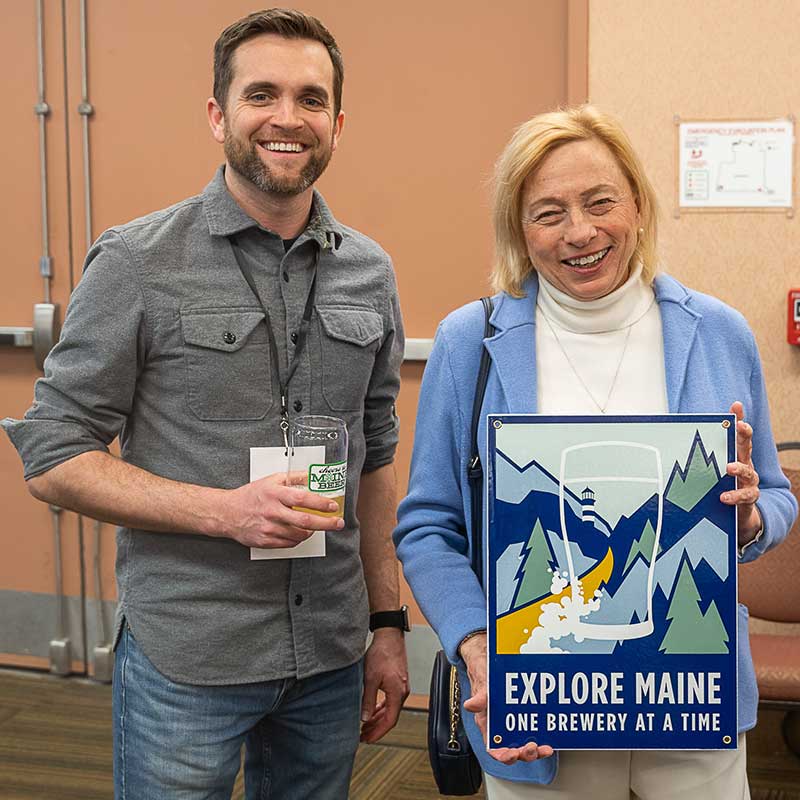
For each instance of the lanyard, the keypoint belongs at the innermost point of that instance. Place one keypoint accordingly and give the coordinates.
(302, 332)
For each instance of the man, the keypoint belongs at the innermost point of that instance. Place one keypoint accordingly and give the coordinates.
(197, 333)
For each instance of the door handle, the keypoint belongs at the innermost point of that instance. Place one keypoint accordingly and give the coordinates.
(16, 337)
(46, 330)
(41, 337)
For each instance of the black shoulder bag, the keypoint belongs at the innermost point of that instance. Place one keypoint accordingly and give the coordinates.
(455, 766)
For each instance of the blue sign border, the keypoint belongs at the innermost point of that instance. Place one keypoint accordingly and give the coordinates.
(597, 721)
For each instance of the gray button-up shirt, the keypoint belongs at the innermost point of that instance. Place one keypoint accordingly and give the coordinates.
(165, 346)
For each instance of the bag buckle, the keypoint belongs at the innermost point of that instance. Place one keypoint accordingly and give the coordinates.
(455, 711)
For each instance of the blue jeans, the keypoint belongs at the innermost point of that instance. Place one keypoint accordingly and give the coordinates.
(175, 741)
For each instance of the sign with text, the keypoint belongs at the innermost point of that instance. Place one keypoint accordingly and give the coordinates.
(611, 582)
(743, 164)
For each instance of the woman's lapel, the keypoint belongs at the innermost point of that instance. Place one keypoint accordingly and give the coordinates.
(513, 348)
(679, 324)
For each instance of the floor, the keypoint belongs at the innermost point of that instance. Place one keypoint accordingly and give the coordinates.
(55, 744)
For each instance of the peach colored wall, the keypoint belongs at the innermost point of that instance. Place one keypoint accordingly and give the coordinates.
(724, 59)
(25, 529)
(432, 92)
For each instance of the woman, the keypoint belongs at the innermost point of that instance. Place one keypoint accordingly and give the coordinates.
(583, 325)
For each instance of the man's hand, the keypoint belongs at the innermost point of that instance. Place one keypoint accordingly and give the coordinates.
(261, 513)
(385, 665)
(385, 668)
(258, 514)
(473, 651)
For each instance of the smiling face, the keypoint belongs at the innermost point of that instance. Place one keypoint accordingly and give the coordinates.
(580, 219)
(278, 128)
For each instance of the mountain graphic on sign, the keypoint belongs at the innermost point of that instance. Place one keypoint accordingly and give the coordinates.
(520, 482)
(643, 546)
(687, 486)
(625, 575)
(703, 548)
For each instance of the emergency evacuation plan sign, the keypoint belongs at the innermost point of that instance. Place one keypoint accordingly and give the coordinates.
(611, 582)
(736, 164)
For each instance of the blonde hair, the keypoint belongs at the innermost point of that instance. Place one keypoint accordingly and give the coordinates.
(529, 146)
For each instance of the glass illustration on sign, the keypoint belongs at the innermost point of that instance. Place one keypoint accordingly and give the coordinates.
(578, 463)
(598, 566)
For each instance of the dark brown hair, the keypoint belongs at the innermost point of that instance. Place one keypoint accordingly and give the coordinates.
(286, 22)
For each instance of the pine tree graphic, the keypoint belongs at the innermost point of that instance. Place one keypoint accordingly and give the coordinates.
(534, 576)
(690, 631)
(714, 634)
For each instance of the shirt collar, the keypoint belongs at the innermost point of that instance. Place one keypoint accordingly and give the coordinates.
(226, 217)
(617, 310)
(323, 225)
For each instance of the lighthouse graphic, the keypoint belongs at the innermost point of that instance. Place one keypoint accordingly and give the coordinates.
(587, 505)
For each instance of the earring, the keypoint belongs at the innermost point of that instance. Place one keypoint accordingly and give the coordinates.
(641, 231)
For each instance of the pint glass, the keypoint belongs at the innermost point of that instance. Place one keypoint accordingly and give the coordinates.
(613, 464)
(325, 473)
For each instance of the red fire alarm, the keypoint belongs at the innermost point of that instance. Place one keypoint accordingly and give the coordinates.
(793, 317)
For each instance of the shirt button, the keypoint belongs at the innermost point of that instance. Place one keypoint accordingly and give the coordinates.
(298, 406)
(298, 599)
(228, 337)
(286, 276)
(293, 337)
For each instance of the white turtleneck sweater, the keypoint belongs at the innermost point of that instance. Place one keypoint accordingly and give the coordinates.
(602, 356)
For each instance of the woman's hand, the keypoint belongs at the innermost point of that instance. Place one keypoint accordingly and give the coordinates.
(745, 495)
(473, 651)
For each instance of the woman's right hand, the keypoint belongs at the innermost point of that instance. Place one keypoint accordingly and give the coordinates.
(473, 651)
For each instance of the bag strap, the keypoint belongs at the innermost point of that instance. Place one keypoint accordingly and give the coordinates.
(474, 466)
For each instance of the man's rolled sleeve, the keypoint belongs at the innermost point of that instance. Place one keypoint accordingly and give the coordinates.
(87, 391)
(381, 425)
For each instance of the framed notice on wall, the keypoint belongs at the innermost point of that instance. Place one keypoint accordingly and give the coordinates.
(611, 582)
(735, 164)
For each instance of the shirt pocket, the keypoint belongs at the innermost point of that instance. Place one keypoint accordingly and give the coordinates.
(350, 338)
(228, 371)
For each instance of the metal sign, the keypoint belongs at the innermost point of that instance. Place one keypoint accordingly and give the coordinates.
(611, 582)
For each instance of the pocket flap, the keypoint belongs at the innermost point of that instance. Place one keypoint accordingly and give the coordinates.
(355, 325)
(219, 330)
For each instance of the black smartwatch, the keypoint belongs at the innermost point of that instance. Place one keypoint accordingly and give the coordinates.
(390, 619)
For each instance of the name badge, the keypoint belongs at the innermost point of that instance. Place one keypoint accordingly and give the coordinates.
(266, 461)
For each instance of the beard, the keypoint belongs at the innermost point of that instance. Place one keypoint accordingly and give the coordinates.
(243, 158)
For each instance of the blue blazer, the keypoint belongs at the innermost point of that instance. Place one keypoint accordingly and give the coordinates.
(711, 360)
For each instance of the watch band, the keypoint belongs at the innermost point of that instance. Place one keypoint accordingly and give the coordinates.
(390, 619)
